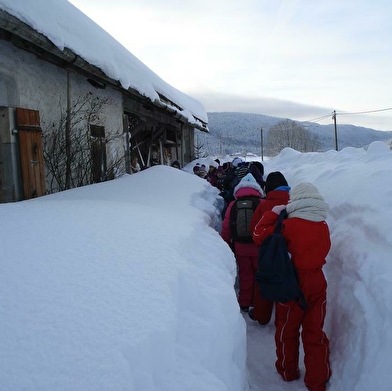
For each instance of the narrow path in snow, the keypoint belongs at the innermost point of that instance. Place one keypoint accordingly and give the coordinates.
(261, 359)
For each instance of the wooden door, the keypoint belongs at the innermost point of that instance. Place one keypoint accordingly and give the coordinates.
(31, 152)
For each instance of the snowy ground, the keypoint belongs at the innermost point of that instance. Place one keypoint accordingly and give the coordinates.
(126, 285)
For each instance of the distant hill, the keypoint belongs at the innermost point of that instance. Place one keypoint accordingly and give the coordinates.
(232, 132)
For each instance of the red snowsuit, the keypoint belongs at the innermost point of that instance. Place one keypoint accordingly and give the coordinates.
(262, 310)
(246, 254)
(308, 243)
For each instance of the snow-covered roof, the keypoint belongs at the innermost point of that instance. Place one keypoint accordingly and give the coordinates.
(67, 27)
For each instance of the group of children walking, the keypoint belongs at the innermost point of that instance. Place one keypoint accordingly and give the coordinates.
(308, 242)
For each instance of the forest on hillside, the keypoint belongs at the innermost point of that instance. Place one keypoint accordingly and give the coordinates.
(232, 133)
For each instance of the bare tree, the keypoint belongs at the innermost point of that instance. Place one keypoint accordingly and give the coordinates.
(77, 157)
(199, 151)
(291, 134)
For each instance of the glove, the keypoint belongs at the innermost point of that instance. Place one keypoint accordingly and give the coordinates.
(278, 208)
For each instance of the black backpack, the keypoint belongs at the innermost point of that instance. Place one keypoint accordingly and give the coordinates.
(276, 275)
(240, 217)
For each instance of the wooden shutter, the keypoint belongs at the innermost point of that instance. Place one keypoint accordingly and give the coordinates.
(31, 152)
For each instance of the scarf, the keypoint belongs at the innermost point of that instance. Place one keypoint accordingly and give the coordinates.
(311, 209)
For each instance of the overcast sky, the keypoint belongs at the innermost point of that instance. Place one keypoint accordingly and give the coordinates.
(293, 58)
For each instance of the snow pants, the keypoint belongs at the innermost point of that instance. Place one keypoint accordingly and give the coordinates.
(246, 276)
(262, 310)
(289, 318)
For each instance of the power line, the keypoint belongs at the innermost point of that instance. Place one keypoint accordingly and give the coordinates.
(345, 113)
(365, 112)
(319, 118)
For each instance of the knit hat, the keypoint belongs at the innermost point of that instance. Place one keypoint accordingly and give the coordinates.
(258, 165)
(258, 175)
(213, 164)
(248, 181)
(176, 164)
(236, 161)
(248, 178)
(196, 168)
(304, 190)
(307, 203)
(274, 180)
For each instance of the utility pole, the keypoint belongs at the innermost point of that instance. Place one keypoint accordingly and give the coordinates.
(68, 135)
(336, 130)
(262, 146)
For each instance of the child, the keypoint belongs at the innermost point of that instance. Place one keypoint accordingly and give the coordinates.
(308, 242)
(245, 253)
(277, 193)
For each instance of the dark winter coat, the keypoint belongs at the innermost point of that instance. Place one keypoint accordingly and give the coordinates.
(308, 242)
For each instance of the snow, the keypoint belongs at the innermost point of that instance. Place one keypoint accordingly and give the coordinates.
(127, 285)
(68, 27)
(104, 287)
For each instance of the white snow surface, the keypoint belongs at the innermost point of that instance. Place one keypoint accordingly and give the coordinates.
(68, 27)
(127, 285)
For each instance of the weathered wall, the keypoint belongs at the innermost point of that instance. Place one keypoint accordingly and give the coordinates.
(29, 82)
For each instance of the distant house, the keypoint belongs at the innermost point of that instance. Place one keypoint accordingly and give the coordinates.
(66, 122)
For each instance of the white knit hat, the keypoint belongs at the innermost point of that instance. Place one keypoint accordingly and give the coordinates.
(307, 203)
(248, 181)
(236, 161)
(248, 178)
(304, 190)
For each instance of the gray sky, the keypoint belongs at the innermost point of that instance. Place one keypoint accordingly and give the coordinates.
(299, 59)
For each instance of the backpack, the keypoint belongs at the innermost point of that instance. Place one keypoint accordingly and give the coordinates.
(276, 275)
(240, 217)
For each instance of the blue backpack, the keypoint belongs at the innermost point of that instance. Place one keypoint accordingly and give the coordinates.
(276, 275)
